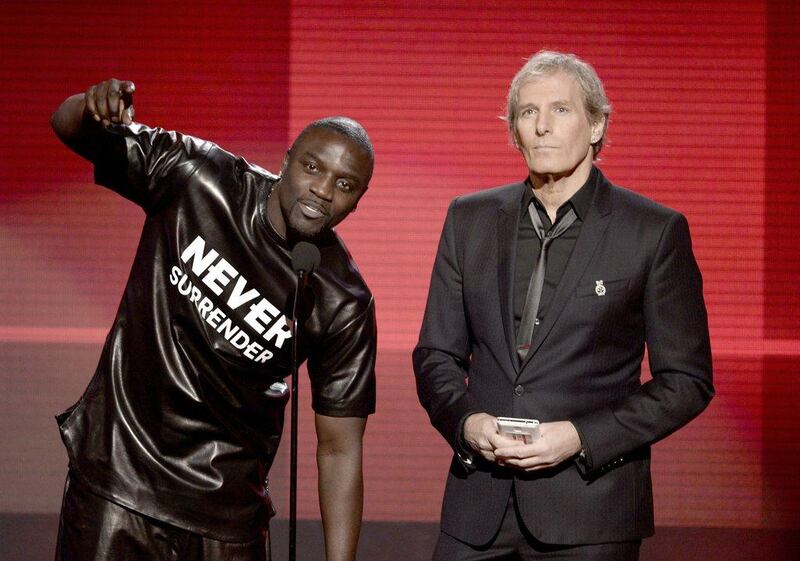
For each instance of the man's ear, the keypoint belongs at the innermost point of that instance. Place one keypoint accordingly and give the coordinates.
(599, 129)
(285, 162)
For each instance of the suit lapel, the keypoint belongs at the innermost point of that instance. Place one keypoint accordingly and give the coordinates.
(592, 231)
(507, 225)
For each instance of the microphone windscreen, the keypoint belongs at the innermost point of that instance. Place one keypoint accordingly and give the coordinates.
(305, 257)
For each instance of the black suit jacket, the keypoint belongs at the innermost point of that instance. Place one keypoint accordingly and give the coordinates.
(584, 364)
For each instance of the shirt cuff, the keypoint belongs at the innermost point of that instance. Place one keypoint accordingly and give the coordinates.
(464, 452)
(584, 458)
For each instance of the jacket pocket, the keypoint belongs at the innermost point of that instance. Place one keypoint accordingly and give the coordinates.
(602, 288)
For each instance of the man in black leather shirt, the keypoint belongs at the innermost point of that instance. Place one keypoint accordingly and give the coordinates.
(172, 441)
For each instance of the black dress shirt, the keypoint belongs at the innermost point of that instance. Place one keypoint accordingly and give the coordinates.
(529, 245)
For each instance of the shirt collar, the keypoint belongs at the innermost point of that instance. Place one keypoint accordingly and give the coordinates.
(580, 201)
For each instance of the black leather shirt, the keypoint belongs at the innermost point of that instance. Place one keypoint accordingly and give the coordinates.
(184, 414)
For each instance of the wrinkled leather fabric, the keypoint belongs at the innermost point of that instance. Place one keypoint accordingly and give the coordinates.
(184, 414)
(92, 528)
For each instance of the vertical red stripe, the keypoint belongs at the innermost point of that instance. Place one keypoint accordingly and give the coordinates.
(782, 173)
(781, 390)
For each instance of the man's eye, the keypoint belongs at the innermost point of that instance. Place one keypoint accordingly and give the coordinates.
(527, 112)
(344, 185)
(562, 110)
(311, 166)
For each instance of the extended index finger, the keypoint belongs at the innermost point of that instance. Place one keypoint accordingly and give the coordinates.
(125, 113)
(125, 89)
(119, 97)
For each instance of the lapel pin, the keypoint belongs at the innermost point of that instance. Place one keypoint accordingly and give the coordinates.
(600, 289)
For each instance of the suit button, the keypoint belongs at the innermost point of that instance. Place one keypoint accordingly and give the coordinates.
(518, 390)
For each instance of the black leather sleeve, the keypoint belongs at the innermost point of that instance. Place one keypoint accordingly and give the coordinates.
(144, 164)
(343, 372)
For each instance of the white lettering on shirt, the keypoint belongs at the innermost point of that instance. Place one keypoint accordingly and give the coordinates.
(217, 274)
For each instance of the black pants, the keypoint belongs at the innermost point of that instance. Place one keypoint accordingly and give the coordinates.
(92, 528)
(514, 542)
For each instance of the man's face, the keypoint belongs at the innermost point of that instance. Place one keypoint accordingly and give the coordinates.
(322, 178)
(553, 130)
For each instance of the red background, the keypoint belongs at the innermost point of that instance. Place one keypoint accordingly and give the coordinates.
(704, 97)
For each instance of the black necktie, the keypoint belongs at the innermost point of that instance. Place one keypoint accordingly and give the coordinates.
(528, 322)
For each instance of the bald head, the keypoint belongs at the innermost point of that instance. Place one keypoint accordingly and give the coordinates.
(347, 127)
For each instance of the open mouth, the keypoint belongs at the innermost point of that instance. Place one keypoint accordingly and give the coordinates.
(311, 210)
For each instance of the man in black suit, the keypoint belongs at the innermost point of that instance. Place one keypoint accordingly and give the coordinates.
(558, 333)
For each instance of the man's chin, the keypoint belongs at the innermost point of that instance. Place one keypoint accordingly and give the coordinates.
(298, 231)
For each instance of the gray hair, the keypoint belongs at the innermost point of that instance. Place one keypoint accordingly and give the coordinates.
(545, 63)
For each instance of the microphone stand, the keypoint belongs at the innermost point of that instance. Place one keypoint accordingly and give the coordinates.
(305, 258)
(293, 454)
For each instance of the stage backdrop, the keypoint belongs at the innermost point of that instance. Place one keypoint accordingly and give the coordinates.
(704, 120)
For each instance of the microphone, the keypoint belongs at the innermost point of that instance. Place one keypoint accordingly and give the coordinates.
(305, 258)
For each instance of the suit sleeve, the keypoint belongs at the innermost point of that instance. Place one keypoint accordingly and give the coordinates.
(441, 358)
(676, 334)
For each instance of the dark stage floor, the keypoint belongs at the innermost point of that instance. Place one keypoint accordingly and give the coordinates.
(30, 537)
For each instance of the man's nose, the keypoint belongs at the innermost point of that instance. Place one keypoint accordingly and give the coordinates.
(543, 124)
(324, 188)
